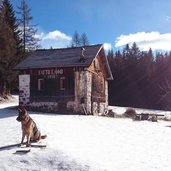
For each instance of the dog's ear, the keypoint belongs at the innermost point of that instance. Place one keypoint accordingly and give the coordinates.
(23, 109)
(19, 109)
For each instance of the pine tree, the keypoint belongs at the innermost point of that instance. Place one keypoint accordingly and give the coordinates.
(75, 40)
(135, 51)
(8, 48)
(126, 51)
(78, 40)
(29, 40)
(10, 18)
(84, 40)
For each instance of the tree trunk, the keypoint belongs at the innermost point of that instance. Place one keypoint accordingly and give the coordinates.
(4, 89)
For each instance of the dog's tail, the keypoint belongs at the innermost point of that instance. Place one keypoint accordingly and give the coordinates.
(43, 136)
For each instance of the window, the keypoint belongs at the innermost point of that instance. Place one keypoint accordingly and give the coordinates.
(41, 84)
(62, 83)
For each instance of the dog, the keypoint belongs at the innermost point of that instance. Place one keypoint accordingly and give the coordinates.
(29, 127)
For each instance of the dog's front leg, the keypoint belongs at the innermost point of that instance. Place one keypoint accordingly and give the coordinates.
(22, 139)
(28, 140)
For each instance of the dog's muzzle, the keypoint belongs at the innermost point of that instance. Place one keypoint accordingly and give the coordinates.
(18, 119)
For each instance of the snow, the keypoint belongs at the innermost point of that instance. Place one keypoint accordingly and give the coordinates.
(121, 110)
(86, 143)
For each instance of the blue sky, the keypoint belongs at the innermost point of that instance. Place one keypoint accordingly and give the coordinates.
(111, 22)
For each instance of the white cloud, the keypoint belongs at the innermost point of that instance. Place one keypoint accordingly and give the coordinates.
(153, 40)
(168, 18)
(107, 46)
(56, 35)
(55, 39)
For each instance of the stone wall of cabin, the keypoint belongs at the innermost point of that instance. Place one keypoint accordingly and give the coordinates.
(83, 94)
(24, 89)
(83, 90)
(99, 107)
(88, 91)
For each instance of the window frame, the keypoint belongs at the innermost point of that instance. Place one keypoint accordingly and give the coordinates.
(41, 84)
(62, 84)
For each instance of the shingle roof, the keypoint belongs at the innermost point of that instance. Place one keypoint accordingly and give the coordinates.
(66, 57)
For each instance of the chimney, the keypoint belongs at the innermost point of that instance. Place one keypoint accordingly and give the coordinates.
(82, 58)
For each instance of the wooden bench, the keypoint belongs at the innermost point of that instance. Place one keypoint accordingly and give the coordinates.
(147, 116)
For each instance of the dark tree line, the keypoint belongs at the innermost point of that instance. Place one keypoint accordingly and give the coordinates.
(12, 43)
(10, 46)
(141, 79)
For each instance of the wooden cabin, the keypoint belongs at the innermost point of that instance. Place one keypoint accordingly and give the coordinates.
(67, 80)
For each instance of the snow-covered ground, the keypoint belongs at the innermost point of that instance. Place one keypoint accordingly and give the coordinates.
(86, 143)
(120, 110)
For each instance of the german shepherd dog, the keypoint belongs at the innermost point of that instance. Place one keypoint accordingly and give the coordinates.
(28, 126)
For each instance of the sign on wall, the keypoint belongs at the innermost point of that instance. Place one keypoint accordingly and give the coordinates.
(50, 73)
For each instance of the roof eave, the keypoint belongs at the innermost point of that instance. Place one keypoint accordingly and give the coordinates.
(41, 67)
